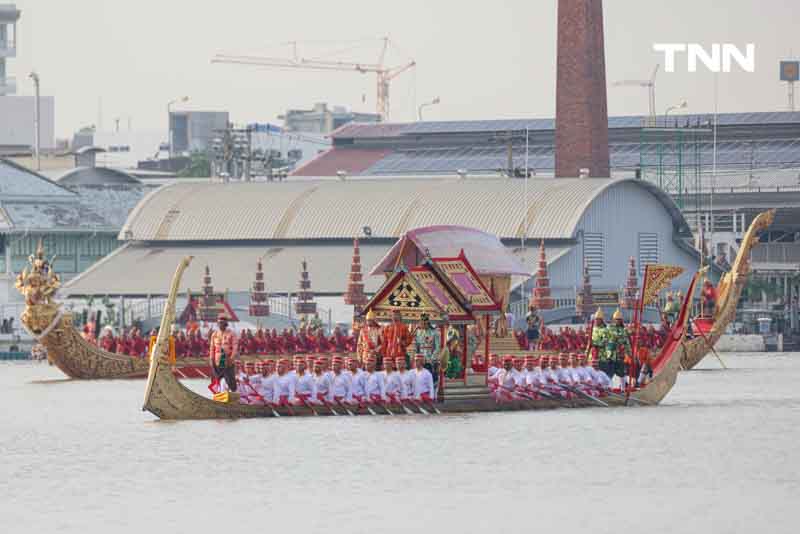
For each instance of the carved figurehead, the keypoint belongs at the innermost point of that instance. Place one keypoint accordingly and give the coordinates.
(38, 284)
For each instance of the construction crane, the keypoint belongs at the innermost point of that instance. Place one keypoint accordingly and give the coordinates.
(651, 86)
(384, 74)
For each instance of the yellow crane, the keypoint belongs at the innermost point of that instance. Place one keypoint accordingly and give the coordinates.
(383, 73)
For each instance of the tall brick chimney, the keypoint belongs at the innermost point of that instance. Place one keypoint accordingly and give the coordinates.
(581, 108)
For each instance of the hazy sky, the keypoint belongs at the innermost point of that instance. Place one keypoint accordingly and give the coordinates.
(484, 59)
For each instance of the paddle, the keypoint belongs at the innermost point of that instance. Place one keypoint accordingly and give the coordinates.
(585, 395)
(343, 407)
(266, 403)
(708, 343)
(418, 406)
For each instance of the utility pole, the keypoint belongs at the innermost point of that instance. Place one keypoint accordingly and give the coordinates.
(36, 122)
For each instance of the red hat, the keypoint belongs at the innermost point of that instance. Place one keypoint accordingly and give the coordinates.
(338, 359)
(249, 365)
(400, 359)
(222, 317)
(284, 361)
(530, 358)
(508, 358)
(299, 358)
(518, 360)
(419, 357)
(320, 362)
(372, 358)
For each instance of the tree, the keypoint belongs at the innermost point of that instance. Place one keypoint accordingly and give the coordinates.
(199, 166)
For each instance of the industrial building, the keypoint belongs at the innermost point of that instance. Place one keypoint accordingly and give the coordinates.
(18, 112)
(597, 222)
(77, 224)
(757, 167)
(323, 120)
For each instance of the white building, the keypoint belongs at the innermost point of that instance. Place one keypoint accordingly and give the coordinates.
(17, 130)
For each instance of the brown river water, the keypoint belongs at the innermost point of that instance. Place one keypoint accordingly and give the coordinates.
(720, 455)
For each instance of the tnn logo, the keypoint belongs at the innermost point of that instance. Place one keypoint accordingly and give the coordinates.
(719, 60)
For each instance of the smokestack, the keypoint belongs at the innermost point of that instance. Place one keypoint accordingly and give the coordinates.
(581, 107)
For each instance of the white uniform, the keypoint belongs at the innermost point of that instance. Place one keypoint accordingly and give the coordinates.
(394, 387)
(564, 375)
(423, 383)
(323, 386)
(599, 378)
(266, 387)
(408, 383)
(358, 384)
(340, 388)
(284, 388)
(249, 390)
(375, 386)
(492, 371)
(305, 388)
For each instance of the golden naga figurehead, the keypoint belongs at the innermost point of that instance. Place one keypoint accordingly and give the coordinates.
(38, 284)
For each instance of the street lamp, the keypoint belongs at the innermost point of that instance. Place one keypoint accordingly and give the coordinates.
(682, 105)
(36, 122)
(169, 120)
(426, 104)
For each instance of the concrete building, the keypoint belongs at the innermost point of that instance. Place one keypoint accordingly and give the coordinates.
(9, 15)
(323, 120)
(17, 130)
(193, 131)
(229, 226)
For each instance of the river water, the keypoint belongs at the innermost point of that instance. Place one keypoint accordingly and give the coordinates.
(720, 455)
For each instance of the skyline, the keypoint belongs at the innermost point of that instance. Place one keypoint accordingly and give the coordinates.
(497, 63)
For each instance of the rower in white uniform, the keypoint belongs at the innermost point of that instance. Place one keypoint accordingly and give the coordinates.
(423, 381)
(322, 382)
(305, 386)
(407, 377)
(266, 387)
(284, 385)
(340, 384)
(358, 381)
(375, 383)
(394, 387)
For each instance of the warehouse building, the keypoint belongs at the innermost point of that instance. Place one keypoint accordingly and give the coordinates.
(597, 222)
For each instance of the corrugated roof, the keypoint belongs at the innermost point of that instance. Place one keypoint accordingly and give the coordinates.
(96, 176)
(374, 130)
(333, 209)
(232, 268)
(351, 161)
(16, 180)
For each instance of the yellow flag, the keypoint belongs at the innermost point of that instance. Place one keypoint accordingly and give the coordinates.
(656, 279)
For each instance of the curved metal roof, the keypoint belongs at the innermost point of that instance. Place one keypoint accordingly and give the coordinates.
(334, 209)
(96, 176)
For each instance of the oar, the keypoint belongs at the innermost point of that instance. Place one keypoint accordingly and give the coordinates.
(328, 406)
(433, 407)
(517, 391)
(343, 407)
(266, 403)
(382, 405)
(544, 394)
(585, 395)
(419, 407)
(307, 405)
(710, 346)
